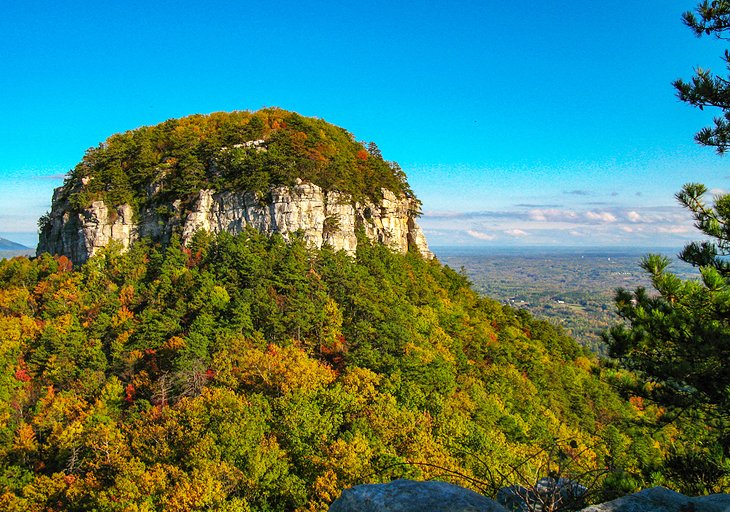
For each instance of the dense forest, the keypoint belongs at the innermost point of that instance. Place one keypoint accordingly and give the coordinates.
(249, 373)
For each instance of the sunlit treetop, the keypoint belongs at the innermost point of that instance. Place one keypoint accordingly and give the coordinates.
(240, 150)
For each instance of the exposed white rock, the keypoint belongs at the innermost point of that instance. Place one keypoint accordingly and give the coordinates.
(341, 222)
(100, 226)
(78, 235)
(321, 217)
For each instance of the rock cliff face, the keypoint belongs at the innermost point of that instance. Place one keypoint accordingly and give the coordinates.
(321, 217)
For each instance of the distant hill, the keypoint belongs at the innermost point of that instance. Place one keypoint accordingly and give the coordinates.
(7, 245)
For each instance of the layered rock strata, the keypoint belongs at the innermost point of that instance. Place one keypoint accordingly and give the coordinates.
(320, 217)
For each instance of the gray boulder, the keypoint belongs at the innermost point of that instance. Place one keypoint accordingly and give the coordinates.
(660, 499)
(547, 494)
(410, 496)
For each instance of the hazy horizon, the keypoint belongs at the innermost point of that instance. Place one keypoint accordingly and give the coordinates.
(30, 240)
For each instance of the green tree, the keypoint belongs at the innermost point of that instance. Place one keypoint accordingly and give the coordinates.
(677, 341)
(680, 339)
(707, 89)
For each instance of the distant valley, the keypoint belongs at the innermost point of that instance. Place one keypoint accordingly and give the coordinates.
(571, 286)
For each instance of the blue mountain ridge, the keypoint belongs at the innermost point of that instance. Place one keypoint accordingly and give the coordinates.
(8, 245)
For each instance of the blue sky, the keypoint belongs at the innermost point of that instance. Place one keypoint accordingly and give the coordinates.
(517, 123)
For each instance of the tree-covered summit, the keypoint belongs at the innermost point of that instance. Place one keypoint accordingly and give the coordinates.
(239, 150)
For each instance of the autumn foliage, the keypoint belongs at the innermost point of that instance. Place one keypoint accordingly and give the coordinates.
(246, 373)
(244, 151)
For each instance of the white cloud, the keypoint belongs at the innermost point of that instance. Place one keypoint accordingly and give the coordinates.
(718, 192)
(516, 232)
(480, 235)
(547, 225)
(633, 216)
(537, 215)
(601, 216)
(551, 214)
(675, 229)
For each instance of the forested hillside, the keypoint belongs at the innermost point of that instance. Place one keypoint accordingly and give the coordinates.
(247, 373)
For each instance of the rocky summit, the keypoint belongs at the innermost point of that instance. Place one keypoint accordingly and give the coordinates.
(273, 171)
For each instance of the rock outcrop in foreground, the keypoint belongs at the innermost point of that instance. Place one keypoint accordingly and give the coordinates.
(660, 499)
(432, 496)
(546, 494)
(321, 217)
(410, 496)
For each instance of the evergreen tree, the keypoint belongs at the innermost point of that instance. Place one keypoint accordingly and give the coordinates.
(678, 341)
(705, 88)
